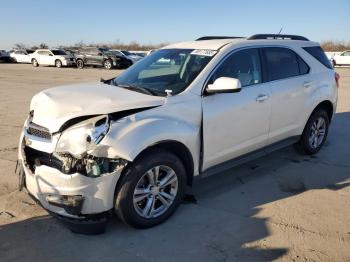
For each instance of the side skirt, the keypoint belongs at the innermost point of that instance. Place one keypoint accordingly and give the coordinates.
(246, 158)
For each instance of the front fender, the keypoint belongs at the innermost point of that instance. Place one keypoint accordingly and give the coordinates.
(127, 139)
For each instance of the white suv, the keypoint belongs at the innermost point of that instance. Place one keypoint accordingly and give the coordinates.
(134, 143)
(51, 57)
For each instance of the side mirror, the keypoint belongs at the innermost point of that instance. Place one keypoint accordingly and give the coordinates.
(224, 85)
(50, 54)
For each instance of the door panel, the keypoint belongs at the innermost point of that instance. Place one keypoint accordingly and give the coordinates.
(287, 104)
(234, 124)
(289, 81)
(41, 58)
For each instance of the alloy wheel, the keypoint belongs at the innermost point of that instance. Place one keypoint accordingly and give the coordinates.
(108, 64)
(155, 191)
(318, 132)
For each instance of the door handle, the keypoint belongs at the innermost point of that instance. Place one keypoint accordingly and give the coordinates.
(307, 84)
(261, 98)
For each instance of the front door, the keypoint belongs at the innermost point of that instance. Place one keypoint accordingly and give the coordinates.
(235, 124)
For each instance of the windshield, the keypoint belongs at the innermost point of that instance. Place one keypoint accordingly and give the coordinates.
(165, 69)
(58, 52)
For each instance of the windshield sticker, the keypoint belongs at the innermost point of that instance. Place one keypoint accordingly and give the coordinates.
(204, 52)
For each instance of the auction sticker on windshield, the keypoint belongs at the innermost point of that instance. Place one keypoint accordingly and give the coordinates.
(204, 52)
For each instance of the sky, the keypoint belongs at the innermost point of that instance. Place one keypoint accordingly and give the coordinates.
(67, 22)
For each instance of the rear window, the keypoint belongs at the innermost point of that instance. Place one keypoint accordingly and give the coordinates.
(317, 52)
(303, 67)
(281, 63)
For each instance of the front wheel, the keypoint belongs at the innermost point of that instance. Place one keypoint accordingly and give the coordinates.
(334, 63)
(151, 189)
(315, 133)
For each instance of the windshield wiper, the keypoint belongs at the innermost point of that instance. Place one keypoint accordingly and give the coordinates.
(137, 89)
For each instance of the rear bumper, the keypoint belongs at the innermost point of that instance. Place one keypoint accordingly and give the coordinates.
(72, 195)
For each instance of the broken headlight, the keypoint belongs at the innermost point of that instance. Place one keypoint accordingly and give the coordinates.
(84, 136)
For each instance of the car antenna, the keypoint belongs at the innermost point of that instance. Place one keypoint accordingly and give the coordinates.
(280, 30)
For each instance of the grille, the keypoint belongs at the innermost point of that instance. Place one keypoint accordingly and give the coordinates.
(38, 131)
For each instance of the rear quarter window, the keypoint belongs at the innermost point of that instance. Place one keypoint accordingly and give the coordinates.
(318, 53)
(281, 63)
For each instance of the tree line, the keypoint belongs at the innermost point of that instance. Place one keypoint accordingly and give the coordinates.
(328, 46)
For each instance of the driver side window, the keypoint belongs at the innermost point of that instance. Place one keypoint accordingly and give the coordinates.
(243, 65)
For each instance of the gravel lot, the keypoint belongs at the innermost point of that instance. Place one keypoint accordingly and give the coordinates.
(284, 206)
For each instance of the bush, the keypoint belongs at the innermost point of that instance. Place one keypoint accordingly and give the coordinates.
(335, 46)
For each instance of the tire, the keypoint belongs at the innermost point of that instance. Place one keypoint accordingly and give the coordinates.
(80, 64)
(108, 64)
(35, 63)
(58, 63)
(315, 133)
(334, 63)
(138, 175)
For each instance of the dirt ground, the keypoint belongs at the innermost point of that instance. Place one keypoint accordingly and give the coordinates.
(284, 206)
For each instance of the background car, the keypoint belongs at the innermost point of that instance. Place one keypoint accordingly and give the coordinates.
(21, 56)
(51, 57)
(342, 58)
(139, 53)
(94, 56)
(4, 56)
(133, 57)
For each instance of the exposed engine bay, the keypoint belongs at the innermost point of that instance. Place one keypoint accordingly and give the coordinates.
(88, 165)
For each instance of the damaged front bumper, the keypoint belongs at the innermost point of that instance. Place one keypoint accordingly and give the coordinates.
(70, 195)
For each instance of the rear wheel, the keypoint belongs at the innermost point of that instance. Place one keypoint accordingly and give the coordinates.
(151, 189)
(35, 63)
(108, 64)
(315, 133)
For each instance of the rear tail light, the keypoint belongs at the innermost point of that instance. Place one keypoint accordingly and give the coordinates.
(337, 77)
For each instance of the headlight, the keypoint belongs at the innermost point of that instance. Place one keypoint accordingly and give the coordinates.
(82, 137)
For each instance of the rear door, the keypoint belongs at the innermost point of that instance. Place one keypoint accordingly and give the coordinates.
(236, 123)
(289, 81)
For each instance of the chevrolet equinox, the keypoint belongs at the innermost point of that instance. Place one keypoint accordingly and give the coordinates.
(134, 143)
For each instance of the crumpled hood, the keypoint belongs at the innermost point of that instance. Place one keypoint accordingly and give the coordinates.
(53, 107)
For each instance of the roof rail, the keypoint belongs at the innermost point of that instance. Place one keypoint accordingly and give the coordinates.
(277, 36)
(217, 37)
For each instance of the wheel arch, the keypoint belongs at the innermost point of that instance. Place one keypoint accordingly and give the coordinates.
(326, 105)
(180, 150)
